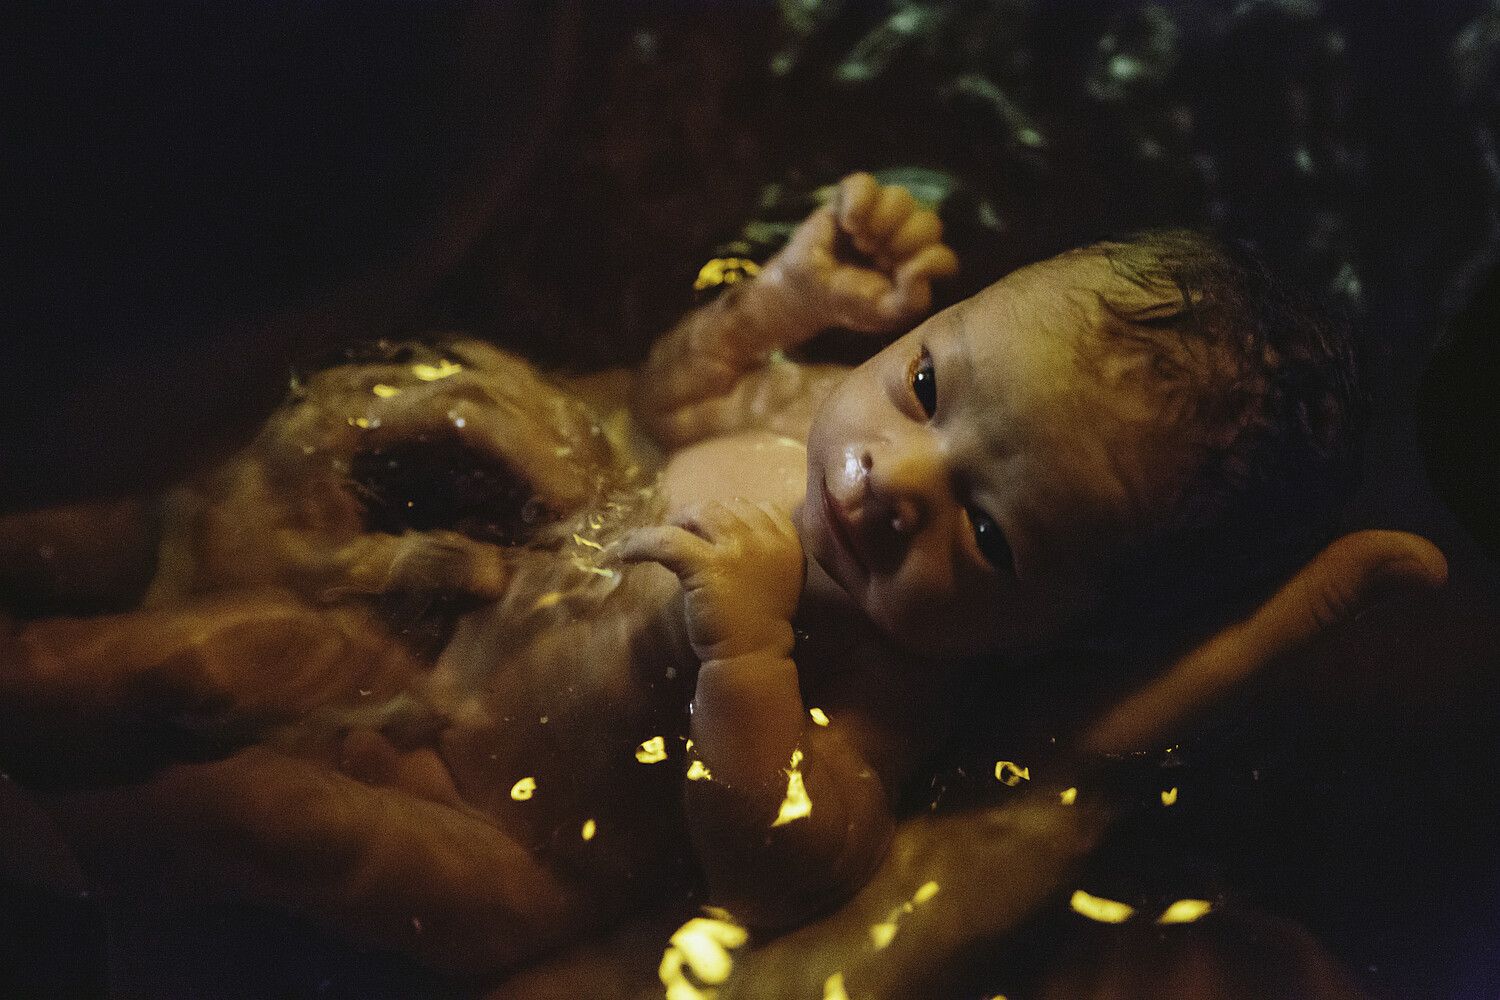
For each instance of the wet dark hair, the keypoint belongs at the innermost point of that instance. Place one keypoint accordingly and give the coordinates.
(1264, 386)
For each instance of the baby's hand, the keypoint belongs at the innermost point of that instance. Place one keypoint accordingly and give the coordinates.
(866, 261)
(741, 567)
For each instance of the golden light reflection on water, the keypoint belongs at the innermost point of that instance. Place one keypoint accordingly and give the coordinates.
(883, 933)
(1010, 773)
(652, 751)
(1106, 911)
(523, 789)
(701, 945)
(1185, 911)
(431, 373)
(796, 804)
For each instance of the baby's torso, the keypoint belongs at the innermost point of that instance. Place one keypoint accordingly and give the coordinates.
(568, 697)
(560, 708)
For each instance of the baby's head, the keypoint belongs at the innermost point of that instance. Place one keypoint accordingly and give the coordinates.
(1111, 441)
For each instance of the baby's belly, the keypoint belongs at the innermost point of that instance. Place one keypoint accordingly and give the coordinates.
(757, 466)
(567, 724)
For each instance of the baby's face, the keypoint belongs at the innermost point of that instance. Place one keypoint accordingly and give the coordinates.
(967, 485)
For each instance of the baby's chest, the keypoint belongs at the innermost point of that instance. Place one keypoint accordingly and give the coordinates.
(757, 466)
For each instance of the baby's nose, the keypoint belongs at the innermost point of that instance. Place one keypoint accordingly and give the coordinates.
(902, 482)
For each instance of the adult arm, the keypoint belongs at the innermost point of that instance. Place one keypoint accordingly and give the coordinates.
(953, 884)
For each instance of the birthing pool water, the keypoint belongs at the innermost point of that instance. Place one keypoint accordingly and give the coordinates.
(193, 214)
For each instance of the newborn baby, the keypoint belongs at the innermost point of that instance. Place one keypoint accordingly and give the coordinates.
(734, 619)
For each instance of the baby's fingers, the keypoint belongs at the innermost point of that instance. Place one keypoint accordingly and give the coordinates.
(855, 200)
(911, 295)
(872, 230)
(921, 229)
(676, 548)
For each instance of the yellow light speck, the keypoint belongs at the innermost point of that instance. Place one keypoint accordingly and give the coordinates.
(882, 934)
(562, 452)
(697, 772)
(384, 391)
(1010, 773)
(653, 751)
(796, 759)
(1168, 798)
(547, 600)
(589, 829)
(584, 567)
(1185, 911)
(1069, 796)
(926, 892)
(360, 422)
(704, 944)
(818, 716)
(725, 271)
(579, 539)
(1106, 911)
(796, 805)
(833, 987)
(523, 789)
(431, 373)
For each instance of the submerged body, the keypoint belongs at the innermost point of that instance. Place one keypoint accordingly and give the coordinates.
(728, 615)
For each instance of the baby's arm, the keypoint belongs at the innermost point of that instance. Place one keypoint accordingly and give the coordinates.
(866, 262)
(786, 816)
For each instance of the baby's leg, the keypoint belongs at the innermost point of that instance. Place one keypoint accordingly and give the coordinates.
(395, 478)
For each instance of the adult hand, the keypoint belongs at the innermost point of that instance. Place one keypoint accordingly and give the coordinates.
(993, 868)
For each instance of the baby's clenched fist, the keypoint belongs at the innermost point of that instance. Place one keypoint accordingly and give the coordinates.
(741, 569)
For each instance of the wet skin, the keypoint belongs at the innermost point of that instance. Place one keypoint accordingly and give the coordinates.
(966, 485)
(905, 485)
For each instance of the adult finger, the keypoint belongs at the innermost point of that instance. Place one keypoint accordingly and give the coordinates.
(1349, 575)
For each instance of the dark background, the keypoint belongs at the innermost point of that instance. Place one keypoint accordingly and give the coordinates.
(199, 199)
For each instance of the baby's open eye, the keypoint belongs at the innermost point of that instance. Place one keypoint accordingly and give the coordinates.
(991, 541)
(924, 383)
